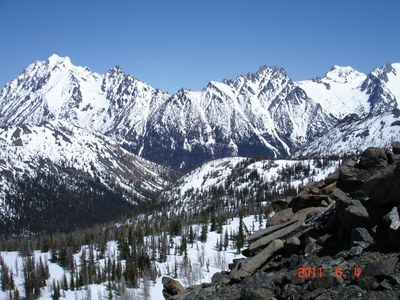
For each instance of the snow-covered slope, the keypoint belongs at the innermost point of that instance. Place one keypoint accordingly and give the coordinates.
(226, 183)
(366, 104)
(56, 146)
(339, 92)
(202, 261)
(59, 177)
(343, 90)
(354, 134)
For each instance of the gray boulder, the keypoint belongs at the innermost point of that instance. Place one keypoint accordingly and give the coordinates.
(373, 158)
(352, 214)
(252, 264)
(171, 287)
(292, 244)
(280, 217)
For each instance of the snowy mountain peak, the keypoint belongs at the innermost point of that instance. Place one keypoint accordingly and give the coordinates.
(343, 74)
(55, 60)
(339, 92)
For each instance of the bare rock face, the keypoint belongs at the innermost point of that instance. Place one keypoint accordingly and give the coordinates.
(337, 239)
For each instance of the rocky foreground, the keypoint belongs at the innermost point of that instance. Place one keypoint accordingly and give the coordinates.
(337, 239)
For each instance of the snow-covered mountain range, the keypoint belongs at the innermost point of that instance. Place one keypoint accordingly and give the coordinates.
(61, 119)
(263, 113)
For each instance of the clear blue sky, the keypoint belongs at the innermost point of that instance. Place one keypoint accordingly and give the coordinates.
(172, 44)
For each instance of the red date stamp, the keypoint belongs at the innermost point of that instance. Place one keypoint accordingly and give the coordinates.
(309, 272)
(317, 272)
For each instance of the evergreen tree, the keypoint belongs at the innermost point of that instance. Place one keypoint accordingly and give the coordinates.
(16, 294)
(84, 270)
(118, 270)
(226, 240)
(110, 291)
(183, 246)
(191, 235)
(65, 283)
(91, 265)
(213, 222)
(240, 235)
(72, 281)
(56, 290)
(204, 232)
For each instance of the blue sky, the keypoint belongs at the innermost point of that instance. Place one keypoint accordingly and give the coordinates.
(182, 43)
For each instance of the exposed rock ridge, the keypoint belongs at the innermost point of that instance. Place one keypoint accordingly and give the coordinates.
(337, 239)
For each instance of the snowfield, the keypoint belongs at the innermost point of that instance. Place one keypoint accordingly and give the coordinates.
(204, 260)
(27, 150)
(235, 173)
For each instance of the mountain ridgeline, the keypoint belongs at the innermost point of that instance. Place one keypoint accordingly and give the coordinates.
(258, 114)
(121, 183)
(66, 130)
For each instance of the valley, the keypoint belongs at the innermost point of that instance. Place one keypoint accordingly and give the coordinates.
(108, 184)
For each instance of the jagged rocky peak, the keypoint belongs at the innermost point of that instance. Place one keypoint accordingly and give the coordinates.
(383, 87)
(115, 71)
(271, 69)
(266, 73)
(263, 75)
(114, 77)
(386, 70)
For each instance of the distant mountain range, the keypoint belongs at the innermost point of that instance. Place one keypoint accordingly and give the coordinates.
(76, 141)
(258, 114)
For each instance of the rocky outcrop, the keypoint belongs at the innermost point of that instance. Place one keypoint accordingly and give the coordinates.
(337, 239)
(171, 287)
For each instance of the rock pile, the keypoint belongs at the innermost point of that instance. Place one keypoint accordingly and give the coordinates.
(337, 239)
